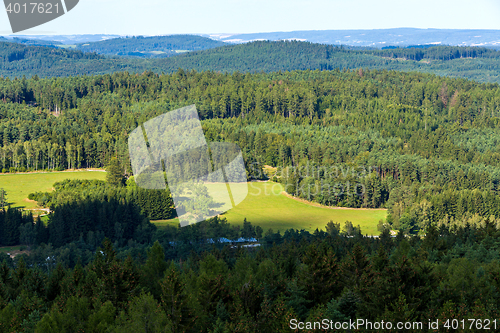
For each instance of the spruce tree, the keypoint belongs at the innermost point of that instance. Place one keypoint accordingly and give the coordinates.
(41, 232)
(3, 198)
(114, 175)
(174, 299)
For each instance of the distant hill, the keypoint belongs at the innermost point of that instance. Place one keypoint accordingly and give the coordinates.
(69, 39)
(150, 47)
(378, 37)
(464, 62)
(473, 63)
(270, 56)
(29, 41)
(17, 60)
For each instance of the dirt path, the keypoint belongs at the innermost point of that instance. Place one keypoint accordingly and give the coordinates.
(323, 206)
(47, 210)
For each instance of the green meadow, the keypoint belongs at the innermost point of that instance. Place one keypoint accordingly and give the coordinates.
(19, 186)
(267, 207)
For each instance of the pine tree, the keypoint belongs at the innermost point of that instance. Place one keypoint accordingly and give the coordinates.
(248, 230)
(12, 221)
(167, 205)
(114, 173)
(321, 277)
(145, 315)
(41, 232)
(118, 279)
(27, 234)
(154, 269)
(174, 300)
(3, 198)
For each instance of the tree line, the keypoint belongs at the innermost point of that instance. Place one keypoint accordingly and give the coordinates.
(155, 204)
(449, 273)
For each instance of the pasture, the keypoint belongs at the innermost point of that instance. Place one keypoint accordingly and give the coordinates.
(265, 205)
(19, 185)
(268, 207)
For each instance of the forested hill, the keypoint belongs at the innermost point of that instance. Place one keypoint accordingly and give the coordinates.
(29, 41)
(434, 140)
(17, 59)
(15, 54)
(377, 37)
(424, 52)
(157, 46)
(472, 63)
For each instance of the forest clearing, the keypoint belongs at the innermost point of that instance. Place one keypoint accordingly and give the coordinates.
(266, 206)
(19, 186)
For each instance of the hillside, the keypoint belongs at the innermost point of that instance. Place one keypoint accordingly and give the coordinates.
(377, 37)
(17, 60)
(423, 146)
(473, 63)
(150, 47)
(70, 39)
(30, 41)
(330, 156)
(293, 55)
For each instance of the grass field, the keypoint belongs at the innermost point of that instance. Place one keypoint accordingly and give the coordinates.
(14, 251)
(10, 249)
(265, 204)
(267, 207)
(18, 186)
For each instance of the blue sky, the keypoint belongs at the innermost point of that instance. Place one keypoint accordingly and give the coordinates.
(160, 17)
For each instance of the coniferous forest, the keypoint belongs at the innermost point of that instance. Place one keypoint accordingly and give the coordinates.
(421, 145)
(16, 59)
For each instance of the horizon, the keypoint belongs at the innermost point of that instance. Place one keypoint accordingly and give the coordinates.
(45, 33)
(153, 17)
(378, 38)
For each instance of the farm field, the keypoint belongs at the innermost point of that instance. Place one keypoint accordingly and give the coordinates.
(19, 186)
(267, 207)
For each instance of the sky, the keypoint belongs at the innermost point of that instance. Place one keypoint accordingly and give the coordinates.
(162, 17)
